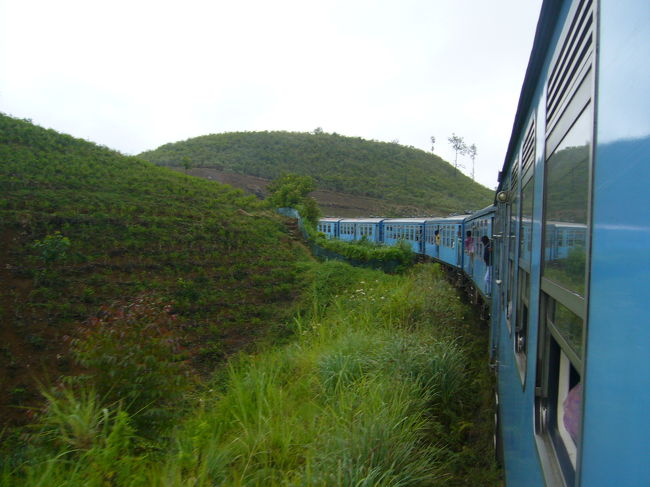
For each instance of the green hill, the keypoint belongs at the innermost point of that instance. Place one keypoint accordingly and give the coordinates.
(89, 234)
(391, 172)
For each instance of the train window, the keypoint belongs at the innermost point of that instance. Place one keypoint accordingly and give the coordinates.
(521, 325)
(514, 214)
(559, 390)
(567, 181)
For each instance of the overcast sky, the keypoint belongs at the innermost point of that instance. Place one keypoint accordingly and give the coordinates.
(136, 74)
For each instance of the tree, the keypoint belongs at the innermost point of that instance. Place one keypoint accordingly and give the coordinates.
(433, 142)
(458, 145)
(318, 131)
(187, 163)
(289, 190)
(292, 190)
(471, 152)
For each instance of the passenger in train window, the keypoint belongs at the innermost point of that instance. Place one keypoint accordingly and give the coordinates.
(487, 258)
(572, 411)
(469, 243)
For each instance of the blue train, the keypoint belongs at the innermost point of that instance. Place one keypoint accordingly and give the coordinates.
(568, 285)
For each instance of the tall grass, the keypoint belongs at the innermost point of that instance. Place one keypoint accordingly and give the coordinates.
(370, 392)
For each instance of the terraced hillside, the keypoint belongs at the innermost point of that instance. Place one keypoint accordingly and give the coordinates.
(92, 239)
(406, 179)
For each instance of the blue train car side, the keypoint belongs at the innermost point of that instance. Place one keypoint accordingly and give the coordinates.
(477, 260)
(450, 231)
(569, 316)
(410, 230)
(329, 226)
(358, 228)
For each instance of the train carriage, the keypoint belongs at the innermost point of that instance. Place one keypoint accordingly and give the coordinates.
(569, 325)
(410, 230)
(450, 230)
(358, 228)
(479, 225)
(329, 226)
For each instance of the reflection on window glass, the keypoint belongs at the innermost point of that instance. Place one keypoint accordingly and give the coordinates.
(567, 182)
(569, 326)
(525, 240)
(514, 214)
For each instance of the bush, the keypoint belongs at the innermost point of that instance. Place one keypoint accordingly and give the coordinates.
(136, 359)
(53, 248)
(369, 252)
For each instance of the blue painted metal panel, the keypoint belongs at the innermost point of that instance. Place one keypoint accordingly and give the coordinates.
(616, 424)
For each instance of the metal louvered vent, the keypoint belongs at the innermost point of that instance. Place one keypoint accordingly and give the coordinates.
(528, 151)
(573, 59)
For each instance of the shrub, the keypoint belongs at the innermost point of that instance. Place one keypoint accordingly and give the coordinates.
(53, 248)
(136, 358)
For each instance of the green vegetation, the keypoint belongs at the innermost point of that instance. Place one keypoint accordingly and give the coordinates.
(292, 191)
(364, 251)
(389, 171)
(384, 384)
(88, 233)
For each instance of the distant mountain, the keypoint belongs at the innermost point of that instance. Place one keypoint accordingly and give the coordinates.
(394, 174)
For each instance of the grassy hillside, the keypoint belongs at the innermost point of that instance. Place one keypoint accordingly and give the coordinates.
(391, 172)
(94, 243)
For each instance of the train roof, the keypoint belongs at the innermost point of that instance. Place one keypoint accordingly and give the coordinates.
(362, 220)
(405, 220)
(545, 26)
(448, 219)
(482, 212)
(328, 219)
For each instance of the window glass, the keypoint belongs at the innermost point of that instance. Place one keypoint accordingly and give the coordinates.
(525, 238)
(514, 212)
(567, 182)
(568, 325)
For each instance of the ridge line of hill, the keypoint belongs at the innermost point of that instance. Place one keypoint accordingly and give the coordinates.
(401, 179)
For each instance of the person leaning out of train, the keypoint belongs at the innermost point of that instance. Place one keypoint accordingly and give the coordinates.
(469, 243)
(487, 258)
